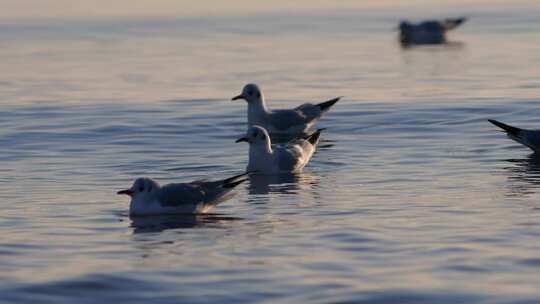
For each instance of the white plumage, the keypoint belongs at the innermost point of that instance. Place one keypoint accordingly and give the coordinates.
(266, 158)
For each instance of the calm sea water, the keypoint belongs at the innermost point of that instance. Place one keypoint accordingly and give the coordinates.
(413, 196)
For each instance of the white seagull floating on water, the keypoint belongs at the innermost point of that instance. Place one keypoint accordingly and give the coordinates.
(288, 122)
(149, 198)
(529, 138)
(266, 158)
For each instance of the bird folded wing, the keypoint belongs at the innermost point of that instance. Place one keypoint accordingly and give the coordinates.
(289, 157)
(286, 119)
(181, 194)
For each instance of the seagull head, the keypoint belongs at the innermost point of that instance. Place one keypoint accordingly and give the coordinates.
(142, 187)
(251, 93)
(256, 135)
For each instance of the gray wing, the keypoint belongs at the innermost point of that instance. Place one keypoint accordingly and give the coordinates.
(217, 192)
(310, 111)
(207, 193)
(285, 119)
(431, 26)
(294, 155)
(173, 195)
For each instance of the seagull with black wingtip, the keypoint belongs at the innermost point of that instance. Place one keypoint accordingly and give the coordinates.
(265, 158)
(149, 198)
(286, 122)
(427, 32)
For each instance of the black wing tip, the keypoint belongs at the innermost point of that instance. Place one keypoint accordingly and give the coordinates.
(458, 20)
(308, 135)
(507, 128)
(452, 23)
(329, 103)
(314, 138)
(234, 184)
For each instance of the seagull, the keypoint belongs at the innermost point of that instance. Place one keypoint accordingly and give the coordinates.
(149, 198)
(291, 122)
(266, 158)
(529, 138)
(427, 32)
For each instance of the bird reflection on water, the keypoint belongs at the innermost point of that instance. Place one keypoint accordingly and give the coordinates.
(523, 175)
(281, 183)
(147, 224)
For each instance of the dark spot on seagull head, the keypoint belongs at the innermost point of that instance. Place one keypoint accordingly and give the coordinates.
(251, 92)
(144, 185)
(141, 187)
(257, 134)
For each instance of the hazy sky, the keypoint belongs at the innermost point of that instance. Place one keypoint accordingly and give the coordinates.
(108, 8)
(22, 9)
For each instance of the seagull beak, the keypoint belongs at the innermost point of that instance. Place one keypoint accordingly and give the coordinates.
(243, 139)
(238, 97)
(126, 192)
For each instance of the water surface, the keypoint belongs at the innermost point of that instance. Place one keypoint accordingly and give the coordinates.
(413, 196)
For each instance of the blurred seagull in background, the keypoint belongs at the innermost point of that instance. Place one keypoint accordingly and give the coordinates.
(149, 198)
(291, 122)
(427, 32)
(266, 158)
(529, 138)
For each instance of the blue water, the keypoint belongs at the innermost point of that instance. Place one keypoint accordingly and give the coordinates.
(413, 197)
